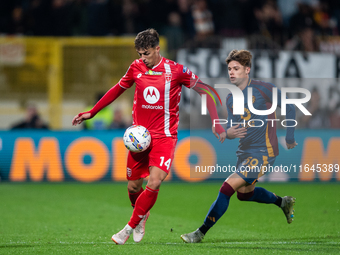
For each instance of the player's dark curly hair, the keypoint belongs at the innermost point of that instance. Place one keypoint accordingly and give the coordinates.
(242, 56)
(147, 39)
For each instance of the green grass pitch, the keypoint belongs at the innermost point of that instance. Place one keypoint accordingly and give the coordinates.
(73, 218)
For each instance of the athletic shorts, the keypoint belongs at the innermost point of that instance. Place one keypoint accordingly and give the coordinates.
(252, 166)
(160, 154)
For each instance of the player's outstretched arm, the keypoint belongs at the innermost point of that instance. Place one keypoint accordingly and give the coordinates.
(107, 99)
(290, 115)
(236, 132)
(202, 88)
(78, 119)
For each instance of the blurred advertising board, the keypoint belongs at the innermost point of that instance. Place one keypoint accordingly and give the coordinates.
(36, 156)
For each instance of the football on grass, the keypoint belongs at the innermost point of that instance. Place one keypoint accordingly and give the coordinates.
(137, 138)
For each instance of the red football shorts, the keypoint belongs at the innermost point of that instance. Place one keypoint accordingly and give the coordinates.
(160, 154)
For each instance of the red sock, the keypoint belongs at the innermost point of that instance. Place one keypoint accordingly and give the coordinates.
(133, 196)
(144, 203)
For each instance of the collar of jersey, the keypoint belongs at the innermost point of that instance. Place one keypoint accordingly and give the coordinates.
(249, 82)
(158, 63)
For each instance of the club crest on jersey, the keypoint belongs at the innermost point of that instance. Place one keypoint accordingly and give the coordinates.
(186, 70)
(150, 72)
(168, 77)
(151, 95)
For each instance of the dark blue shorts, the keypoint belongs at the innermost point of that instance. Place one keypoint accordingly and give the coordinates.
(252, 166)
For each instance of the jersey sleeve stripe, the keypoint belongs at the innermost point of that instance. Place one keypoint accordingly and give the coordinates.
(167, 101)
(268, 144)
(263, 84)
(121, 85)
(193, 86)
(228, 97)
(264, 95)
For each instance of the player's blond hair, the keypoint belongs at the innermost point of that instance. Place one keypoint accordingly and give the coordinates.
(147, 39)
(242, 56)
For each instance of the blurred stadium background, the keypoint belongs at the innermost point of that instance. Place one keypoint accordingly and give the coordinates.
(58, 56)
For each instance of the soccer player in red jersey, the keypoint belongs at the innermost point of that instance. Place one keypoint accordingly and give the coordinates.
(156, 106)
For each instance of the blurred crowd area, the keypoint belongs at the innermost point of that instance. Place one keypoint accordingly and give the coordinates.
(297, 25)
(267, 24)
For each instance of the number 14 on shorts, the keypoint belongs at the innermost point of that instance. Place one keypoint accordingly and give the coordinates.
(166, 163)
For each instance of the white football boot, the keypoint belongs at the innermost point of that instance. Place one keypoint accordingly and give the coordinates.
(193, 237)
(287, 207)
(139, 231)
(122, 236)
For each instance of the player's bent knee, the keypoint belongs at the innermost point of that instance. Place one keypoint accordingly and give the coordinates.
(244, 196)
(154, 183)
(134, 187)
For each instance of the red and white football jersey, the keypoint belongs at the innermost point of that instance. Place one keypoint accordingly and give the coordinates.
(157, 94)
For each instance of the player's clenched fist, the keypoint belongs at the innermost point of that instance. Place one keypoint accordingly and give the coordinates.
(78, 119)
(291, 145)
